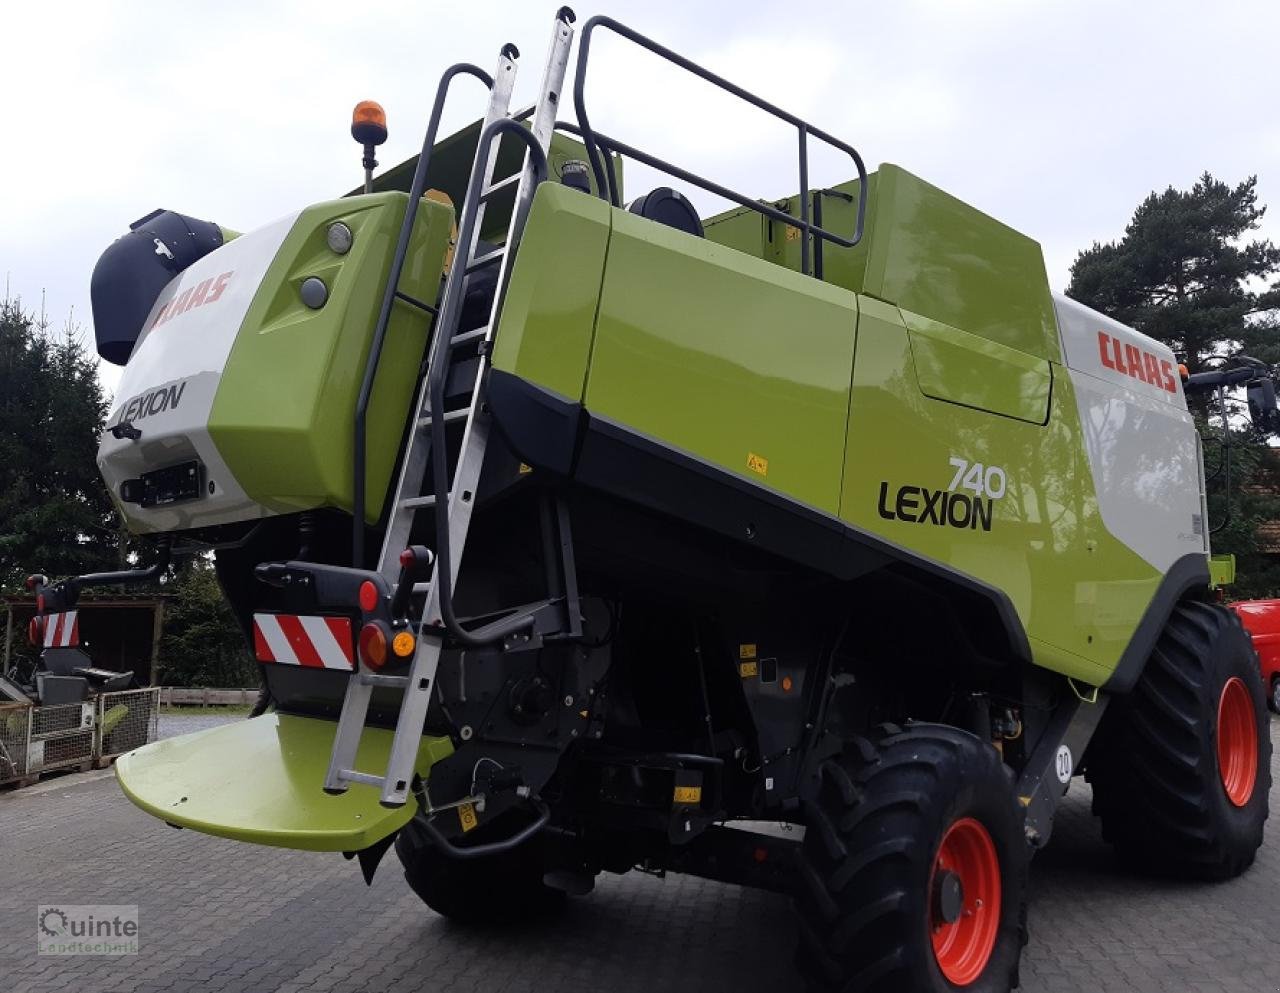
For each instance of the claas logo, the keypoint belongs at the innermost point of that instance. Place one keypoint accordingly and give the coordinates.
(205, 292)
(1130, 360)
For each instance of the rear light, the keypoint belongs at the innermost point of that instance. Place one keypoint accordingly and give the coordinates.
(406, 558)
(39, 603)
(368, 597)
(36, 580)
(35, 630)
(373, 645)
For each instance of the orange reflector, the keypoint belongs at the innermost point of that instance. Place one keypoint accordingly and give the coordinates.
(786, 684)
(368, 596)
(1182, 371)
(761, 854)
(373, 645)
(402, 644)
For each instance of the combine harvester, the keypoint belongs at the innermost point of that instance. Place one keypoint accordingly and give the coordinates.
(823, 510)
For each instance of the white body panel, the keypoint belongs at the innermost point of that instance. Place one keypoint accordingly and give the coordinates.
(1140, 439)
(169, 384)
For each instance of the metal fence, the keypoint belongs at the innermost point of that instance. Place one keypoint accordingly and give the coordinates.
(39, 739)
(127, 720)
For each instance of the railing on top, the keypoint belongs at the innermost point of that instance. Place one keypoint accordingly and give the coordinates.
(600, 146)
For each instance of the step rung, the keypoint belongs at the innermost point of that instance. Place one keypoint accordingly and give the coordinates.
(498, 187)
(418, 502)
(356, 776)
(487, 259)
(449, 417)
(421, 588)
(459, 340)
(377, 679)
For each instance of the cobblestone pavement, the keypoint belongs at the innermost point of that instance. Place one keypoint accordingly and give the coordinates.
(218, 916)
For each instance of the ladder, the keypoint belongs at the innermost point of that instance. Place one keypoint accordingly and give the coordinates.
(428, 422)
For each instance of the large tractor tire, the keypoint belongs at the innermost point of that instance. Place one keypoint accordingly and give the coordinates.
(913, 871)
(1181, 769)
(494, 889)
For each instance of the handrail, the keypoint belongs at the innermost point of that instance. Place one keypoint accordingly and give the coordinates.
(597, 142)
(416, 189)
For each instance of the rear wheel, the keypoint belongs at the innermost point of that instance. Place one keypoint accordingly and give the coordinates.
(913, 868)
(1181, 770)
(492, 889)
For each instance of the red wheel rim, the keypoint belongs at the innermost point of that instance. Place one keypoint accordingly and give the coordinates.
(1237, 742)
(962, 946)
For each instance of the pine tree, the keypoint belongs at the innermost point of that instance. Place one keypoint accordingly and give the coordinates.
(55, 514)
(1184, 274)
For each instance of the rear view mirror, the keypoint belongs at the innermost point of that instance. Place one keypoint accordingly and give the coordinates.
(1262, 405)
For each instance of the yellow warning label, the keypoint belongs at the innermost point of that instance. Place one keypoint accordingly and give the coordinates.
(746, 651)
(688, 794)
(524, 470)
(467, 815)
(748, 669)
(757, 463)
(793, 234)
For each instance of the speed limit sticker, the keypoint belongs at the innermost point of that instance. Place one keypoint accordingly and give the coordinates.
(1063, 765)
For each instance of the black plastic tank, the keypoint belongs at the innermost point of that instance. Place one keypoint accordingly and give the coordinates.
(131, 273)
(669, 207)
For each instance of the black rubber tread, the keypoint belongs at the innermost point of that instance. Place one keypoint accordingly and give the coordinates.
(1154, 763)
(1273, 696)
(872, 833)
(494, 889)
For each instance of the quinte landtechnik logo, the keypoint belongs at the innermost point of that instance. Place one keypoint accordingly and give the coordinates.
(89, 929)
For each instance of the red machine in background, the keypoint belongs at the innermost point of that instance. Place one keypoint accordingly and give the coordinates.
(1261, 619)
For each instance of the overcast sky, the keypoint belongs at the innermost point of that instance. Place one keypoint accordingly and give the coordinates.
(1056, 117)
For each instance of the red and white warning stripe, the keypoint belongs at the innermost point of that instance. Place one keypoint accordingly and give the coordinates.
(300, 639)
(61, 630)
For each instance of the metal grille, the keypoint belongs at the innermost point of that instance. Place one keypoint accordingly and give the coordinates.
(127, 720)
(15, 732)
(61, 735)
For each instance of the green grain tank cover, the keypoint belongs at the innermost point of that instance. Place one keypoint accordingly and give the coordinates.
(924, 251)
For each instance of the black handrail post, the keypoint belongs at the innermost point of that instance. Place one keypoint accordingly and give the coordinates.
(806, 228)
(416, 189)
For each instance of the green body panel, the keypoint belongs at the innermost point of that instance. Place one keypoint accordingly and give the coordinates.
(1046, 533)
(963, 368)
(726, 357)
(719, 348)
(549, 313)
(922, 249)
(287, 438)
(751, 232)
(257, 780)
(1222, 570)
(936, 256)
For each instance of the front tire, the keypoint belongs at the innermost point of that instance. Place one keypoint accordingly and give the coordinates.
(494, 889)
(1274, 700)
(1181, 770)
(913, 871)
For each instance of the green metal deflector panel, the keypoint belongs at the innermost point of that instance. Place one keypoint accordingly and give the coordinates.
(260, 780)
(963, 368)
